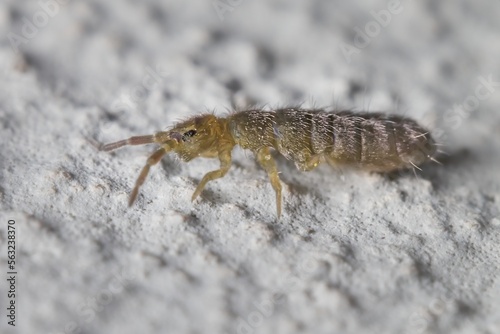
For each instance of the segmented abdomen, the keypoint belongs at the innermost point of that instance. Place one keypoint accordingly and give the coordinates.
(372, 141)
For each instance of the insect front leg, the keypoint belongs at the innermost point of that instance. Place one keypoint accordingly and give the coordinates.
(152, 160)
(267, 162)
(225, 164)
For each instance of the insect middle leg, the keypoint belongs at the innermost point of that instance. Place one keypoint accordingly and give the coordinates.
(225, 164)
(267, 162)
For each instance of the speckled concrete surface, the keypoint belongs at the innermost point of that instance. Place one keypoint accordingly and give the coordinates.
(352, 253)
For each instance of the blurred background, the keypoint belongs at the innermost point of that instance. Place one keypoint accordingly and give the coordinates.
(413, 256)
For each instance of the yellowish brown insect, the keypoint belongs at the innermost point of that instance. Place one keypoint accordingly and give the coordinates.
(369, 141)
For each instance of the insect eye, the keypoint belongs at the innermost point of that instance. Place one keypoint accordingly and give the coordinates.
(188, 134)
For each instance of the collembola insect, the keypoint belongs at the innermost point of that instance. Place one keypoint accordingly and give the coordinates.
(369, 141)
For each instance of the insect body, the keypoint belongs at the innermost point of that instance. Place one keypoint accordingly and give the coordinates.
(369, 141)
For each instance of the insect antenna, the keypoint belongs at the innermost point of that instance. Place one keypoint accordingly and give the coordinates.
(138, 140)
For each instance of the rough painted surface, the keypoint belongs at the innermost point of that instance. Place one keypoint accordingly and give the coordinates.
(353, 252)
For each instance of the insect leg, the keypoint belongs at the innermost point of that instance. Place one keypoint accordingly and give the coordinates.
(310, 164)
(267, 162)
(225, 164)
(152, 160)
